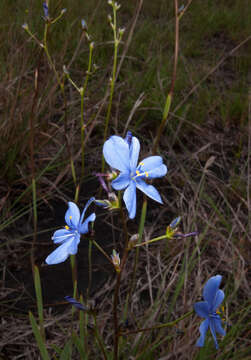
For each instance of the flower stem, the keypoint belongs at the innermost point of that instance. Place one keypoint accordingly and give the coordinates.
(82, 91)
(136, 259)
(98, 338)
(90, 269)
(113, 79)
(169, 324)
(116, 291)
(170, 93)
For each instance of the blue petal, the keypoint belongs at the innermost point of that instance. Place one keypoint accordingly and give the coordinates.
(213, 331)
(149, 190)
(219, 297)
(72, 215)
(210, 289)
(63, 251)
(84, 228)
(203, 330)
(154, 167)
(62, 235)
(130, 199)
(121, 182)
(219, 329)
(85, 208)
(202, 309)
(134, 153)
(116, 153)
(128, 138)
(76, 303)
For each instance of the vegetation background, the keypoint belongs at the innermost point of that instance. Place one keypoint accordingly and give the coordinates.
(206, 146)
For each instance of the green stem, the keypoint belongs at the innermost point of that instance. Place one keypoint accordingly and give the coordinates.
(170, 93)
(112, 83)
(99, 339)
(38, 290)
(46, 28)
(116, 292)
(153, 240)
(74, 272)
(102, 251)
(90, 268)
(136, 260)
(82, 125)
(169, 324)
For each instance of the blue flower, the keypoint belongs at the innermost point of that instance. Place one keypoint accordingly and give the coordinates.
(69, 236)
(122, 154)
(207, 309)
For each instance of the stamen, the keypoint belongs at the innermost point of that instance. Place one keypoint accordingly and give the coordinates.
(70, 217)
(141, 164)
(67, 227)
(137, 172)
(146, 173)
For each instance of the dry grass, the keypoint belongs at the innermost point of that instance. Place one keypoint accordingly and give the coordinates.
(206, 146)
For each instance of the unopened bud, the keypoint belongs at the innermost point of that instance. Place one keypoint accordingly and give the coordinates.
(83, 24)
(116, 260)
(112, 175)
(121, 31)
(65, 70)
(25, 26)
(133, 241)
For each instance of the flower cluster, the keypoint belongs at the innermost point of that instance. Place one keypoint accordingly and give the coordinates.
(122, 155)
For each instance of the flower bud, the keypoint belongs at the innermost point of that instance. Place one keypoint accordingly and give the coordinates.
(116, 260)
(133, 241)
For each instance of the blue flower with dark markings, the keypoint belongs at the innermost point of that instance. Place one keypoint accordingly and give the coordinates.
(207, 309)
(122, 154)
(69, 236)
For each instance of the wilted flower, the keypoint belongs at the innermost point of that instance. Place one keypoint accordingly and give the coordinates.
(76, 303)
(46, 10)
(122, 154)
(207, 309)
(69, 236)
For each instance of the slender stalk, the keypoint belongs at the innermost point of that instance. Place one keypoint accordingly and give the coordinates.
(170, 93)
(74, 271)
(102, 251)
(32, 166)
(113, 79)
(117, 287)
(136, 259)
(89, 269)
(82, 125)
(152, 240)
(98, 338)
(39, 298)
(161, 326)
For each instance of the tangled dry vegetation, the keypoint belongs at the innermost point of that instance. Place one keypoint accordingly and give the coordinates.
(208, 185)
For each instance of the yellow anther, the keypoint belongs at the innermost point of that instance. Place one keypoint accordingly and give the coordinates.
(137, 172)
(141, 163)
(146, 173)
(67, 227)
(70, 217)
